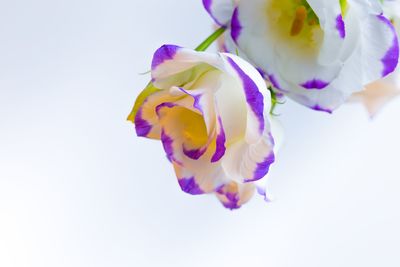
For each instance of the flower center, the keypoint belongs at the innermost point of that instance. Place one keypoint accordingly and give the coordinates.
(188, 124)
(294, 21)
(194, 129)
(303, 14)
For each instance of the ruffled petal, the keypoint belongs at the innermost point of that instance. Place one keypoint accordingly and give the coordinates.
(194, 169)
(147, 120)
(220, 142)
(246, 162)
(203, 102)
(252, 85)
(199, 177)
(170, 60)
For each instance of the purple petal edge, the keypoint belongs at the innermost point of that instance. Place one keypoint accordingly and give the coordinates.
(220, 144)
(207, 5)
(263, 193)
(232, 202)
(164, 105)
(254, 97)
(189, 185)
(390, 60)
(274, 81)
(340, 26)
(236, 27)
(319, 108)
(315, 84)
(142, 127)
(167, 144)
(262, 168)
(271, 78)
(194, 154)
(164, 53)
(196, 98)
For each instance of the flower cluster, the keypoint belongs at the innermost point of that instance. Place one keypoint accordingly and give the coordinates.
(213, 111)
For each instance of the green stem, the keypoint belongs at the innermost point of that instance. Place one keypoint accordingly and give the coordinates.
(211, 39)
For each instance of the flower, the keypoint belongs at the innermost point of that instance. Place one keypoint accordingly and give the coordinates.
(209, 111)
(378, 93)
(317, 52)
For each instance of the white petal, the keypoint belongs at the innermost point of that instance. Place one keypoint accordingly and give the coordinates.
(220, 10)
(244, 162)
(170, 60)
(252, 85)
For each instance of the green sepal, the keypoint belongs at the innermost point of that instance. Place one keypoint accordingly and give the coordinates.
(274, 101)
(148, 91)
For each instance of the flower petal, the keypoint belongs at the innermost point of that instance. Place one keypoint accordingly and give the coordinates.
(170, 60)
(147, 120)
(233, 195)
(252, 85)
(220, 10)
(246, 162)
(219, 142)
(196, 177)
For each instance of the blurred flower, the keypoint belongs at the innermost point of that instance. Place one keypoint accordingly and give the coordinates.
(377, 94)
(317, 52)
(210, 113)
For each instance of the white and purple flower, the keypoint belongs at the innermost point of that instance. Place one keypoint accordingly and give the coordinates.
(317, 52)
(210, 113)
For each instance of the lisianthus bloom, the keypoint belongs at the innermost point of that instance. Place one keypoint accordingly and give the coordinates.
(380, 92)
(210, 113)
(317, 52)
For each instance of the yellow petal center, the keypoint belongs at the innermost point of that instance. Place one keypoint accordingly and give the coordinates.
(294, 22)
(185, 124)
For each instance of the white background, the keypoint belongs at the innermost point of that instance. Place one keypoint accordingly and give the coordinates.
(78, 188)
